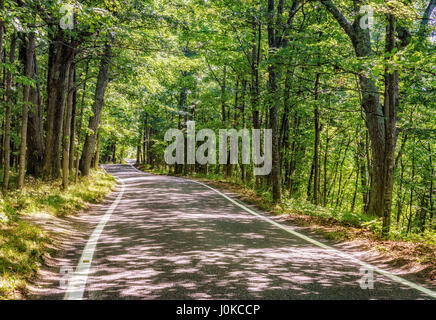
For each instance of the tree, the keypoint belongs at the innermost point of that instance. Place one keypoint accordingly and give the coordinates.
(28, 66)
(94, 121)
(9, 92)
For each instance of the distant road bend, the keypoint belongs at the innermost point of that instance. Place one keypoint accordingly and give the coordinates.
(170, 238)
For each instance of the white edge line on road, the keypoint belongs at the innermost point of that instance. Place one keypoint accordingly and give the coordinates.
(368, 266)
(77, 282)
(387, 274)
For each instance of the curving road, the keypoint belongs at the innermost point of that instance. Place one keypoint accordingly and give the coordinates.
(170, 238)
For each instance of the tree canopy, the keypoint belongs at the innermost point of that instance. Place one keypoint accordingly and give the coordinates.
(347, 88)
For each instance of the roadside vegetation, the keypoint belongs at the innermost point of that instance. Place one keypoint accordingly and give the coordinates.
(24, 245)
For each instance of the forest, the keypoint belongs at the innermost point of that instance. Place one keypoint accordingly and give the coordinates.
(347, 87)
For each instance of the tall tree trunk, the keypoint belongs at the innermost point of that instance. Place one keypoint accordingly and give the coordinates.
(356, 183)
(316, 147)
(149, 144)
(400, 197)
(244, 94)
(35, 137)
(7, 137)
(184, 106)
(2, 7)
(255, 60)
(97, 151)
(138, 146)
(390, 115)
(380, 121)
(422, 214)
(180, 168)
(326, 154)
(273, 107)
(427, 14)
(309, 184)
(431, 191)
(363, 175)
(73, 125)
(67, 129)
(79, 129)
(254, 85)
(277, 38)
(223, 112)
(60, 59)
(412, 190)
(30, 51)
(94, 121)
(144, 143)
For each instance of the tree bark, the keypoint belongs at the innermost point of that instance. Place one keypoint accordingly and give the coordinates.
(30, 51)
(277, 33)
(73, 126)
(273, 107)
(2, 5)
(144, 142)
(427, 14)
(391, 104)
(60, 59)
(255, 61)
(244, 93)
(382, 137)
(326, 154)
(97, 151)
(431, 191)
(316, 147)
(94, 121)
(79, 129)
(67, 129)
(35, 137)
(7, 137)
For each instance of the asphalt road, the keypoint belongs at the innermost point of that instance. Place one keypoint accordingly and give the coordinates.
(170, 238)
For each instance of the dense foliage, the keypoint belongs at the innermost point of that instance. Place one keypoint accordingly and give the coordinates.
(351, 103)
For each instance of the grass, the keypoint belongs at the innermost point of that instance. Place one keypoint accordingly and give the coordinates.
(22, 251)
(23, 245)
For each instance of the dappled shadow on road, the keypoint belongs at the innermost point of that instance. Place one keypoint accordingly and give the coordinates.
(173, 239)
(68, 236)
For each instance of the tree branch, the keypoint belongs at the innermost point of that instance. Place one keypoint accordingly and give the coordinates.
(427, 14)
(340, 18)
